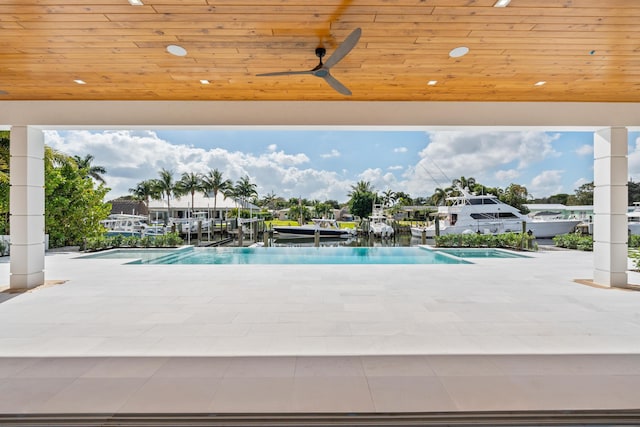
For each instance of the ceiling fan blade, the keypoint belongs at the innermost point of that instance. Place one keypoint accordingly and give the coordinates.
(285, 73)
(342, 50)
(334, 83)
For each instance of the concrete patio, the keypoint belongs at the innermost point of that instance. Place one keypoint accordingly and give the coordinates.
(499, 334)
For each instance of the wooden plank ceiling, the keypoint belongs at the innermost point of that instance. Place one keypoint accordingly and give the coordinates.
(585, 50)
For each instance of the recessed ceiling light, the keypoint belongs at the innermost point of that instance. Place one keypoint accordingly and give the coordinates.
(80, 82)
(176, 50)
(135, 2)
(204, 82)
(432, 82)
(540, 83)
(459, 51)
(502, 3)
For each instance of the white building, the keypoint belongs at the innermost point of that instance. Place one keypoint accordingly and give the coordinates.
(181, 207)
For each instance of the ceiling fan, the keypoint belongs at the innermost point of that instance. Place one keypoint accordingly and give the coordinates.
(322, 69)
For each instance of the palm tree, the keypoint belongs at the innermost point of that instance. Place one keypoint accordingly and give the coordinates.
(463, 182)
(145, 191)
(214, 183)
(167, 187)
(190, 183)
(269, 200)
(388, 197)
(439, 196)
(245, 189)
(91, 171)
(361, 187)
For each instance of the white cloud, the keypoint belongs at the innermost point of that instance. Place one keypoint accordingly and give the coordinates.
(580, 182)
(378, 179)
(400, 150)
(272, 147)
(131, 157)
(333, 153)
(507, 175)
(478, 154)
(281, 158)
(585, 150)
(546, 183)
(395, 168)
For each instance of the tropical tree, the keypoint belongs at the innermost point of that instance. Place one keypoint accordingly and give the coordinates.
(320, 209)
(583, 195)
(361, 199)
(241, 192)
(404, 199)
(464, 183)
(167, 187)
(269, 200)
(388, 197)
(85, 164)
(4, 182)
(190, 183)
(213, 182)
(73, 206)
(299, 211)
(439, 196)
(516, 195)
(245, 189)
(361, 187)
(145, 191)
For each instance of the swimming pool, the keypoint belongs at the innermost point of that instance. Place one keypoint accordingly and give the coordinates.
(480, 253)
(287, 255)
(143, 254)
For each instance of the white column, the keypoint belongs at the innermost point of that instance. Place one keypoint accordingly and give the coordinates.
(27, 207)
(610, 206)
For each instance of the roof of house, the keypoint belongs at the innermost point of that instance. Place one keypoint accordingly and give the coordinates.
(200, 201)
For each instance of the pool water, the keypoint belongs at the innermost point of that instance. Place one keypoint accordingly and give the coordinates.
(304, 255)
(143, 254)
(480, 253)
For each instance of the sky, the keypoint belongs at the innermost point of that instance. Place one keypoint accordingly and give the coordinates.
(324, 165)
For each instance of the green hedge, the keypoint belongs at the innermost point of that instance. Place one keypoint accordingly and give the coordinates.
(574, 241)
(169, 240)
(474, 240)
(585, 242)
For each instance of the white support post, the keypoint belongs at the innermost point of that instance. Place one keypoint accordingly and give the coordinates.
(27, 207)
(610, 199)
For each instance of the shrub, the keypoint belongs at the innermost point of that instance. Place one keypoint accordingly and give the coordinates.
(574, 241)
(634, 241)
(131, 241)
(474, 240)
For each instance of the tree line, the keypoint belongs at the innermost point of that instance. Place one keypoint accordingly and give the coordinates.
(75, 190)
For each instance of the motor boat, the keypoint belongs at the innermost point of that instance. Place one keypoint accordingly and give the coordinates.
(325, 228)
(124, 224)
(486, 214)
(378, 223)
(633, 220)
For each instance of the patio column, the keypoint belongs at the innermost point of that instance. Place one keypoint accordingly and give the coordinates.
(610, 206)
(27, 207)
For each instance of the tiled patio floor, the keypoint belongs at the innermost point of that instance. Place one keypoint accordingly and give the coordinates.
(502, 334)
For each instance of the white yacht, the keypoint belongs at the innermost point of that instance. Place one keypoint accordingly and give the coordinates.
(378, 223)
(486, 214)
(125, 224)
(633, 220)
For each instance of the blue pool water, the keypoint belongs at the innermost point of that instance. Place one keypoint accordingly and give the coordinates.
(480, 253)
(302, 255)
(143, 254)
